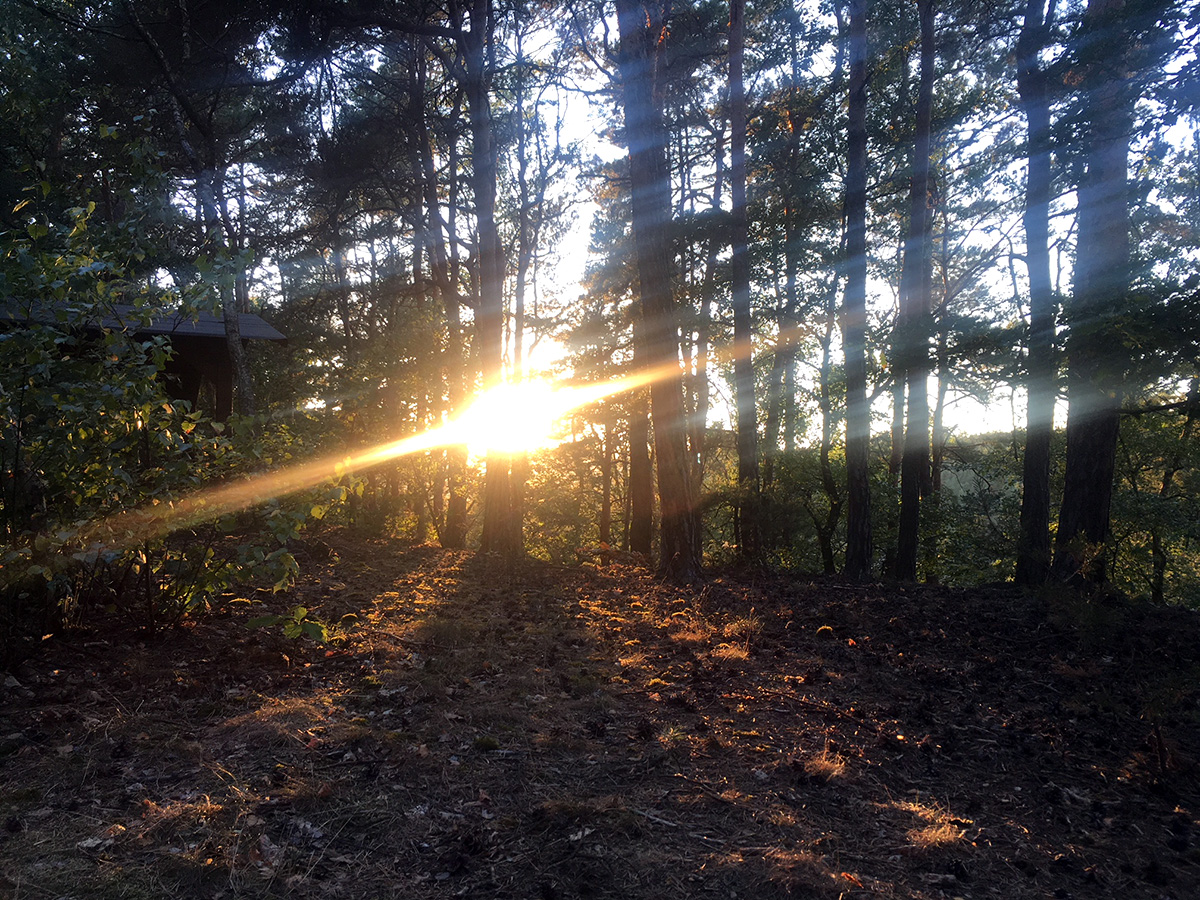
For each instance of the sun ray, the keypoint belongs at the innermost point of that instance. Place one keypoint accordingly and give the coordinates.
(509, 418)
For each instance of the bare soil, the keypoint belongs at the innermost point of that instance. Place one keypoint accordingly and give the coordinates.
(591, 732)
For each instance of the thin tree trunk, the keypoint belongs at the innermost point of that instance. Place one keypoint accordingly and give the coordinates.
(606, 478)
(749, 503)
(341, 293)
(243, 382)
(915, 317)
(708, 290)
(527, 238)
(501, 534)
(453, 531)
(207, 171)
(829, 486)
(641, 473)
(773, 426)
(859, 549)
(1033, 542)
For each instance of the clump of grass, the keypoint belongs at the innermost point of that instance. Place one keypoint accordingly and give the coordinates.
(691, 630)
(737, 652)
(632, 660)
(937, 829)
(744, 627)
(825, 768)
(932, 837)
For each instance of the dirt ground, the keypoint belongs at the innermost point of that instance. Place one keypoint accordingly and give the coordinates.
(591, 732)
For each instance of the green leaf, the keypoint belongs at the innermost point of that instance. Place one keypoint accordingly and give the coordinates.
(316, 631)
(265, 621)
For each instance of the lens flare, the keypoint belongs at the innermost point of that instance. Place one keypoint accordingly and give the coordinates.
(510, 418)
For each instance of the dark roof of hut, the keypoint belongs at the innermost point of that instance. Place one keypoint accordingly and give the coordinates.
(179, 324)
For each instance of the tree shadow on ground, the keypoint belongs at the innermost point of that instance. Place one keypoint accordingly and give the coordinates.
(589, 732)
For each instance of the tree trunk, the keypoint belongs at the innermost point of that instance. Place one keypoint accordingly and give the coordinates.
(606, 477)
(829, 486)
(207, 169)
(453, 533)
(1033, 542)
(708, 290)
(501, 534)
(641, 477)
(915, 315)
(749, 502)
(1094, 374)
(341, 293)
(642, 31)
(242, 381)
(1158, 550)
(859, 549)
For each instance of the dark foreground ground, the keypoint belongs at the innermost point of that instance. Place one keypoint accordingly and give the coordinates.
(587, 733)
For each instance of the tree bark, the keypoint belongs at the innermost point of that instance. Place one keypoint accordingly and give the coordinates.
(749, 502)
(698, 430)
(829, 485)
(1094, 373)
(1033, 542)
(859, 549)
(453, 533)
(501, 534)
(606, 476)
(641, 476)
(643, 30)
(915, 315)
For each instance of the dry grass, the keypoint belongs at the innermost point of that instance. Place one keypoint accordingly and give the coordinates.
(938, 828)
(825, 767)
(731, 652)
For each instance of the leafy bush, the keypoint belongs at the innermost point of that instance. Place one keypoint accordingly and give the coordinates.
(89, 433)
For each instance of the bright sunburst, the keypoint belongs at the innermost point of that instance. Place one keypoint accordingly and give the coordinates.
(510, 418)
(515, 417)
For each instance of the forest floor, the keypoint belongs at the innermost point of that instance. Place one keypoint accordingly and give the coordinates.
(591, 732)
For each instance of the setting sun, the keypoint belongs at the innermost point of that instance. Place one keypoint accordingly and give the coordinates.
(515, 417)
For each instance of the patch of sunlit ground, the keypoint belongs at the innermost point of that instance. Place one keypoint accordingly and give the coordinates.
(825, 766)
(731, 652)
(938, 828)
(797, 872)
(277, 723)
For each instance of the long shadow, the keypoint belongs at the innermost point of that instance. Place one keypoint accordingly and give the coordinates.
(589, 732)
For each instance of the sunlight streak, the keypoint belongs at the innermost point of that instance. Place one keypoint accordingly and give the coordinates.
(514, 417)
(510, 418)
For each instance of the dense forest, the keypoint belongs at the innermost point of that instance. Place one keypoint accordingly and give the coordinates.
(813, 231)
(582, 449)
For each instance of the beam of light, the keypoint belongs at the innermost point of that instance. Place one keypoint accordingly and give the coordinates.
(510, 418)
